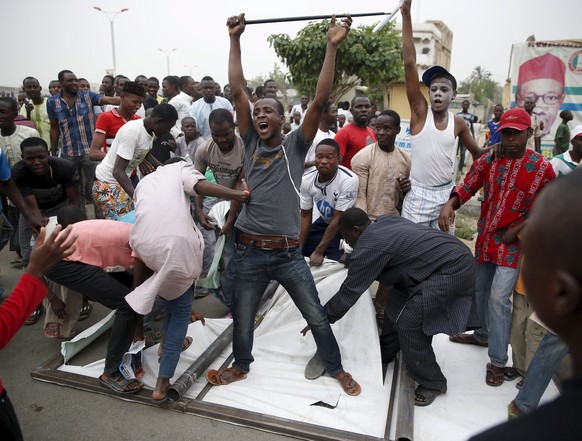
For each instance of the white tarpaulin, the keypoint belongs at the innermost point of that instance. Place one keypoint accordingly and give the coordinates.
(276, 384)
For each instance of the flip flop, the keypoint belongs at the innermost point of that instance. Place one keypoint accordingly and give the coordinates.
(34, 317)
(315, 367)
(52, 330)
(511, 374)
(428, 395)
(468, 339)
(119, 384)
(349, 385)
(159, 402)
(495, 375)
(217, 377)
(85, 312)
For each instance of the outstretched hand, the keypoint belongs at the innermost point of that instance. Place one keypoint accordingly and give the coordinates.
(236, 25)
(49, 250)
(245, 189)
(337, 34)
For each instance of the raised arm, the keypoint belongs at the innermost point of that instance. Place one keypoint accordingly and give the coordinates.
(335, 35)
(416, 101)
(236, 78)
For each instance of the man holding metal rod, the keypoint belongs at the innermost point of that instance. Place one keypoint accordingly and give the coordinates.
(268, 246)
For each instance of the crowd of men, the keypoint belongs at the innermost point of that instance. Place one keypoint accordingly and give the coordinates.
(298, 183)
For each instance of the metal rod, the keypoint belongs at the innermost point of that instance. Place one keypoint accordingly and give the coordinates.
(267, 295)
(391, 401)
(405, 412)
(391, 16)
(196, 369)
(309, 17)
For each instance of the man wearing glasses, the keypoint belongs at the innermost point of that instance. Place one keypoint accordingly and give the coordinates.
(542, 79)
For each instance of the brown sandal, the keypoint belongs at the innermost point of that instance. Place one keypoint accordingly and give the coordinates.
(495, 375)
(225, 376)
(349, 385)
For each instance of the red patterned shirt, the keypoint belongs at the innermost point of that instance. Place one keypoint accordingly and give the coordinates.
(510, 187)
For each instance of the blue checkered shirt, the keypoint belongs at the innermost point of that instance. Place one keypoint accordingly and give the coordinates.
(76, 124)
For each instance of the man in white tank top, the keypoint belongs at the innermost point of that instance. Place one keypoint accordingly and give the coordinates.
(434, 131)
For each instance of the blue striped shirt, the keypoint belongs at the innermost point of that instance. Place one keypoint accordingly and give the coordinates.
(76, 124)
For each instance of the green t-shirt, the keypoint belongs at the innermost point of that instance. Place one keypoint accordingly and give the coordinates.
(563, 137)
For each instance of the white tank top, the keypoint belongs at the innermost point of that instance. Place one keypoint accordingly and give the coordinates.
(433, 152)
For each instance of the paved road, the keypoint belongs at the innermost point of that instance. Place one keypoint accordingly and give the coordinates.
(50, 412)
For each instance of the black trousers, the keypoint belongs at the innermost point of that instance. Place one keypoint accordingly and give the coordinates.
(101, 287)
(402, 330)
(9, 427)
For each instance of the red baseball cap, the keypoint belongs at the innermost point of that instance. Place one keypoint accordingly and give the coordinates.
(515, 118)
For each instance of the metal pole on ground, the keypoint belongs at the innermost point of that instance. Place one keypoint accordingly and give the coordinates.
(197, 369)
(405, 412)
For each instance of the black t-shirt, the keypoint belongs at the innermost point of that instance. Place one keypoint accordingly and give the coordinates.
(161, 148)
(49, 192)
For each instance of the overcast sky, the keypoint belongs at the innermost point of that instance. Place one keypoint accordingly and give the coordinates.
(41, 37)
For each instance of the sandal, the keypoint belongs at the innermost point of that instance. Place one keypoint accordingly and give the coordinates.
(151, 336)
(224, 376)
(425, 397)
(85, 312)
(35, 316)
(511, 374)
(52, 330)
(520, 383)
(186, 343)
(495, 375)
(120, 385)
(514, 412)
(349, 385)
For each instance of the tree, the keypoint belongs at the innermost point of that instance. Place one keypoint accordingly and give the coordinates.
(482, 86)
(364, 58)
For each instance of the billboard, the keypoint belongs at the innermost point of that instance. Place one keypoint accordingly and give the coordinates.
(550, 72)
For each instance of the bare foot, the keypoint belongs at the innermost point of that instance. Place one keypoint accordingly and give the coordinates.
(160, 393)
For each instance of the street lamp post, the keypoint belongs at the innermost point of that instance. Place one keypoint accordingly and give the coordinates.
(168, 53)
(190, 67)
(111, 16)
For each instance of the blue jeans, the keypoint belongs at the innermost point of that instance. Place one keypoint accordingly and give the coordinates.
(254, 269)
(540, 371)
(316, 233)
(176, 321)
(493, 290)
(225, 291)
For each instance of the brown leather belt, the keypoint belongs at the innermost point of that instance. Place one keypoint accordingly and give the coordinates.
(268, 242)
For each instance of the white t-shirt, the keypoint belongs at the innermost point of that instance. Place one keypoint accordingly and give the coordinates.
(339, 193)
(133, 143)
(298, 108)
